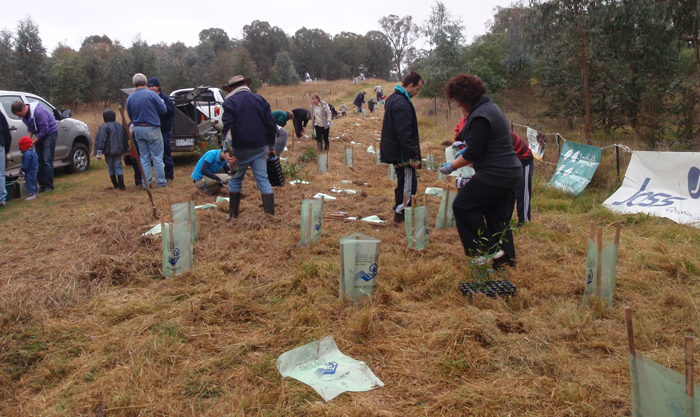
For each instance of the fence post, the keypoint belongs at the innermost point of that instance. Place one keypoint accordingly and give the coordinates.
(511, 125)
(558, 145)
(617, 160)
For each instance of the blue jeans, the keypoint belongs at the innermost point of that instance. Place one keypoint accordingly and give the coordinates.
(114, 163)
(256, 158)
(150, 143)
(44, 150)
(30, 182)
(3, 191)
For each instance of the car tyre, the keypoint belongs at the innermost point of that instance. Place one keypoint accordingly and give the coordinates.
(79, 158)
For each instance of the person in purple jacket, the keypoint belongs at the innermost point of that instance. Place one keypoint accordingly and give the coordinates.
(43, 130)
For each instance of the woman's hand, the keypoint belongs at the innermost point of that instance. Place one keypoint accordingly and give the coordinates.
(446, 168)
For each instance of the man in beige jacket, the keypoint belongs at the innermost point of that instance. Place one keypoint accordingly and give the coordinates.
(320, 120)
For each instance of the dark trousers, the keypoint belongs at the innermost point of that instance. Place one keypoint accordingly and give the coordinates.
(402, 189)
(167, 156)
(135, 165)
(45, 149)
(322, 134)
(523, 192)
(477, 202)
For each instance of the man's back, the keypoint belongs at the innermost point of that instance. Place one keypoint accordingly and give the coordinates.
(249, 118)
(143, 107)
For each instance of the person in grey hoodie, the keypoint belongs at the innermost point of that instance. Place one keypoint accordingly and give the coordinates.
(112, 142)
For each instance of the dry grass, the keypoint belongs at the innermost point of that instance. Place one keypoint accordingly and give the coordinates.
(89, 324)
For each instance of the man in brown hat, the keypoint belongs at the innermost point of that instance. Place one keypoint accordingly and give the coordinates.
(253, 131)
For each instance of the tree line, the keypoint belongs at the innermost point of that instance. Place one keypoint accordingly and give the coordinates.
(603, 65)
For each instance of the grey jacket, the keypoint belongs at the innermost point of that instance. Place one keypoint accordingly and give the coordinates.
(111, 139)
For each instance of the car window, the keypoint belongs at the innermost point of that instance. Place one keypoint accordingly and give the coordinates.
(7, 105)
(46, 105)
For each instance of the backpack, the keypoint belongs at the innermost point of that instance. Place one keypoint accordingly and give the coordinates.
(334, 113)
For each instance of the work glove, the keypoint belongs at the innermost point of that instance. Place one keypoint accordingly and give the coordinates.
(99, 155)
(446, 168)
(328, 123)
(458, 144)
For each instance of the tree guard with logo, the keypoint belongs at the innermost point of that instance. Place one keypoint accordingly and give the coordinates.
(359, 264)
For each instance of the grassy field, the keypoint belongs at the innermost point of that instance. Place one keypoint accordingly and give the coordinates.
(90, 327)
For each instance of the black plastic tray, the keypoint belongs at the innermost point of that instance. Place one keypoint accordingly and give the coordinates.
(496, 288)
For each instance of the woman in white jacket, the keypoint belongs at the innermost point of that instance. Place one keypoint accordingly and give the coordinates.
(320, 120)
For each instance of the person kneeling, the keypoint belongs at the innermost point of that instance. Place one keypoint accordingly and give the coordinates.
(205, 175)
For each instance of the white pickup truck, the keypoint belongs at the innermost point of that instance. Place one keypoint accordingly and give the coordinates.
(210, 103)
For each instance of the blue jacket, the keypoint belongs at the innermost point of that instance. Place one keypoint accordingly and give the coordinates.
(249, 119)
(166, 120)
(359, 100)
(30, 161)
(145, 107)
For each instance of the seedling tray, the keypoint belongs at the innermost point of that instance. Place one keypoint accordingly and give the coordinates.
(493, 289)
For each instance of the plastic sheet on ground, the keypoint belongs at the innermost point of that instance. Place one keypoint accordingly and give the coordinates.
(658, 390)
(437, 192)
(607, 270)
(311, 222)
(324, 368)
(359, 264)
(373, 219)
(221, 199)
(346, 181)
(325, 196)
(343, 190)
(154, 231)
(295, 182)
(205, 206)
(445, 217)
(370, 149)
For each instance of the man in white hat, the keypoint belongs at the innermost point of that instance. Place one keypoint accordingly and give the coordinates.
(253, 131)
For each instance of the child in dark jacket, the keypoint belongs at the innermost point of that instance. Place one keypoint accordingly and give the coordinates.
(112, 142)
(30, 167)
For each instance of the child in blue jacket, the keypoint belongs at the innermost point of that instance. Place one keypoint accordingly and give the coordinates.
(30, 166)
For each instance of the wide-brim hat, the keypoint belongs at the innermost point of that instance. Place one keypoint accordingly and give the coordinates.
(234, 80)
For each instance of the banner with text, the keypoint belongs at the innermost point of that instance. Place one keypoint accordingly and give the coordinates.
(577, 164)
(664, 184)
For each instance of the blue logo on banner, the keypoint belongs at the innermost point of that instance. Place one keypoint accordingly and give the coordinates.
(176, 257)
(694, 182)
(365, 276)
(327, 369)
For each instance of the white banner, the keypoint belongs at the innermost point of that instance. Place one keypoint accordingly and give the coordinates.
(664, 184)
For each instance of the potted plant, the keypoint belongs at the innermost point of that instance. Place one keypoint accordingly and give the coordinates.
(483, 274)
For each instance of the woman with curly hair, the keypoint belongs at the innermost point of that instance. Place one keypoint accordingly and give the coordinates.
(484, 206)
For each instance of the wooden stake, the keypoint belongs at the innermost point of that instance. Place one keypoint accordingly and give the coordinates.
(170, 202)
(599, 264)
(617, 233)
(630, 330)
(447, 202)
(405, 203)
(689, 377)
(425, 200)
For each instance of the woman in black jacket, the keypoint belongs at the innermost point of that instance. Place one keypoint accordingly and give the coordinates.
(489, 194)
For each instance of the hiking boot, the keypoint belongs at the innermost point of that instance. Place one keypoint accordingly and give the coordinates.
(483, 260)
(269, 203)
(120, 181)
(114, 181)
(398, 218)
(234, 202)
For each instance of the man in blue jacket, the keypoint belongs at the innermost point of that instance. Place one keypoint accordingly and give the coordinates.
(400, 144)
(43, 130)
(166, 127)
(144, 108)
(248, 118)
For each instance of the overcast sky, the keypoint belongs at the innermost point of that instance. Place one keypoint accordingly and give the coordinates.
(180, 20)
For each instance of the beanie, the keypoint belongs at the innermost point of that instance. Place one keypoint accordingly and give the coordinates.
(25, 142)
(153, 82)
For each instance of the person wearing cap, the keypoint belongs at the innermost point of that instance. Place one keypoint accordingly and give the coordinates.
(30, 166)
(300, 120)
(43, 130)
(5, 141)
(166, 126)
(112, 142)
(248, 118)
(359, 101)
(281, 118)
(145, 107)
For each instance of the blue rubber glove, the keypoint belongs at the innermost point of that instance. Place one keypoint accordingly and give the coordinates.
(328, 124)
(446, 168)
